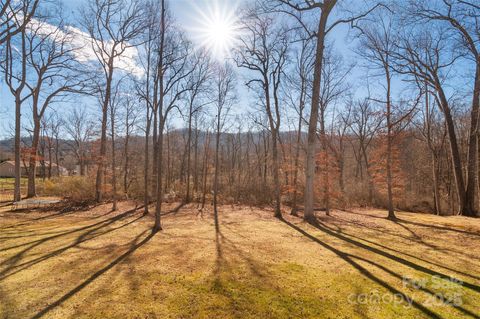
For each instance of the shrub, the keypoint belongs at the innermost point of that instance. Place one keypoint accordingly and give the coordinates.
(75, 188)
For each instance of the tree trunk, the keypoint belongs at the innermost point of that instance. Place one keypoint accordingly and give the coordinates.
(435, 179)
(472, 149)
(341, 182)
(155, 147)
(127, 158)
(454, 152)
(205, 169)
(189, 136)
(18, 171)
(276, 175)
(436, 188)
(82, 166)
(323, 140)
(146, 196)
(294, 211)
(159, 196)
(32, 170)
(114, 174)
(101, 160)
(195, 161)
(57, 151)
(391, 213)
(312, 124)
(215, 181)
(49, 158)
(103, 138)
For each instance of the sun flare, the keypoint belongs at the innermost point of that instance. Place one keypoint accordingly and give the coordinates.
(217, 28)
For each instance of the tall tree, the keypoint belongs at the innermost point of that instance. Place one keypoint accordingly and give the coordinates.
(144, 89)
(297, 93)
(263, 51)
(113, 107)
(53, 73)
(425, 55)
(223, 90)
(364, 124)
(195, 99)
(432, 131)
(462, 17)
(15, 71)
(172, 71)
(80, 128)
(130, 114)
(376, 46)
(334, 85)
(295, 8)
(114, 27)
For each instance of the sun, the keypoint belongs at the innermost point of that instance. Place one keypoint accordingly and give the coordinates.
(216, 28)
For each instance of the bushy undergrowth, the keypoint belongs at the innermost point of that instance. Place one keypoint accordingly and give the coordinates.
(75, 188)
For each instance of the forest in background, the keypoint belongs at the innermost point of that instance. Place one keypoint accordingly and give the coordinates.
(312, 139)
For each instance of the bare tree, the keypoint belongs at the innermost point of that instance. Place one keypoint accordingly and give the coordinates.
(297, 93)
(16, 80)
(433, 133)
(426, 56)
(337, 143)
(196, 88)
(462, 17)
(80, 129)
(223, 89)
(264, 51)
(376, 46)
(295, 8)
(114, 26)
(130, 110)
(172, 70)
(332, 88)
(143, 88)
(55, 124)
(53, 73)
(113, 107)
(14, 17)
(364, 124)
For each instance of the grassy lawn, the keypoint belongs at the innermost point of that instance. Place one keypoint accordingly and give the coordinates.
(10, 181)
(7, 185)
(102, 264)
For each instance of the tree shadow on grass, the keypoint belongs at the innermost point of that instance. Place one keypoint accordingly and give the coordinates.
(350, 259)
(398, 259)
(29, 232)
(437, 227)
(339, 230)
(62, 212)
(414, 237)
(102, 223)
(91, 231)
(174, 210)
(225, 281)
(28, 221)
(135, 244)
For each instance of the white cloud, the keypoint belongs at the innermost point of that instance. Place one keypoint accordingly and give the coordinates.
(83, 45)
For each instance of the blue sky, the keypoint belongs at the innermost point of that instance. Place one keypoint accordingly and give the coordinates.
(187, 13)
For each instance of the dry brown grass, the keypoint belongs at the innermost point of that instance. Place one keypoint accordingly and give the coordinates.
(103, 264)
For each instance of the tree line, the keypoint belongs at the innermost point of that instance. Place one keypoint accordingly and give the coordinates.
(391, 123)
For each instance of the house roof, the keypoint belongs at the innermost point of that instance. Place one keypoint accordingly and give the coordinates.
(38, 164)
